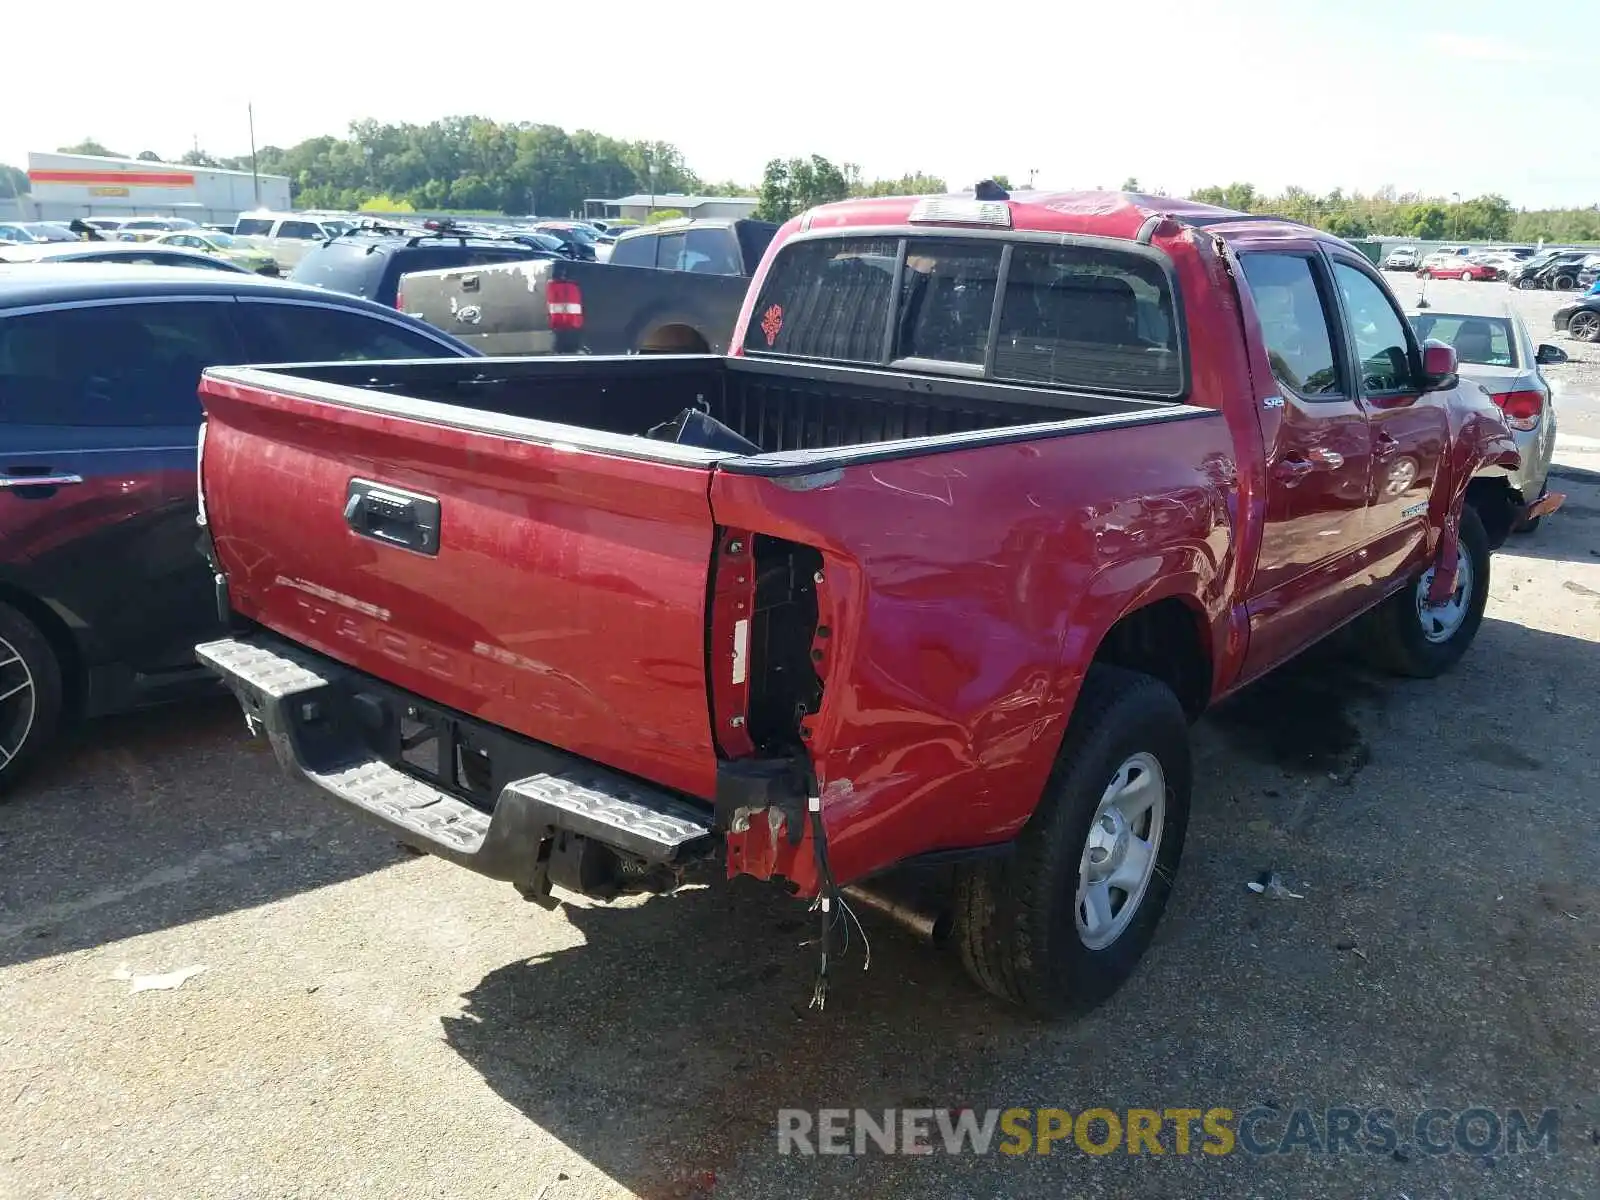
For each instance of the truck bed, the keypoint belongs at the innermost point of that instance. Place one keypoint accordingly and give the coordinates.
(792, 410)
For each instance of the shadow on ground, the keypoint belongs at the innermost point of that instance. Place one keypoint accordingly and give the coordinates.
(1442, 952)
(158, 818)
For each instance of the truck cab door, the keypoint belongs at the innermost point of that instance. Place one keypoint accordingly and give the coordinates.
(1318, 459)
(1408, 426)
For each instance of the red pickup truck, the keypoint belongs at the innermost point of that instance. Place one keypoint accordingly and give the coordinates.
(993, 497)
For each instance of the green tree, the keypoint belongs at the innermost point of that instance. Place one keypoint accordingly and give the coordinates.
(199, 158)
(1003, 180)
(1428, 221)
(148, 156)
(13, 181)
(89, 146)
(914, 184)
(664, 214)
(1131, 184)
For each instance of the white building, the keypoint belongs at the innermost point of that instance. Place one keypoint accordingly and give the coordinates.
(639, 207)
(63, 186)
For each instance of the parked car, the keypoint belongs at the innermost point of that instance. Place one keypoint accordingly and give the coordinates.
(1580, 320)
(937, 566)
(1589, 272)
(1445, 256)
(36, 233)
(142, 254)
(1555, 269)
(102, 590)
(578, 238)
(1495, 352)
(1401, 258)
(675, 287)
(107, 227)
(288, 237)
(369, 262)
(146, 229)
(1456, 267)
(237, 250)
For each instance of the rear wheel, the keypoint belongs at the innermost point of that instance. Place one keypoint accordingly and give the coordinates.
(30, 695)
(1564, 283)
(1584, 326)
(1527, 285)
(1408, 637)
(1060, 924)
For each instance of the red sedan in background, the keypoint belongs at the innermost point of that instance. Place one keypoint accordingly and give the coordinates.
(1463, 269)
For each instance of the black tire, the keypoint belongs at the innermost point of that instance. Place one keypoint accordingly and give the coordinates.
(1584, 326)
(1563, 283)
(1016, 920)
(1526, 285)
(1396, 640)
(29, 718)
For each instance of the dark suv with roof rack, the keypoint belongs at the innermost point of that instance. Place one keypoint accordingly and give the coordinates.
(369, 260)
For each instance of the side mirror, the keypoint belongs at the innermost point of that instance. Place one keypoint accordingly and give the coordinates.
(1438, 364)
(1548, 355)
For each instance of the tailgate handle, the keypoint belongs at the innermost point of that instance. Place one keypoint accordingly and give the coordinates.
(393, 516)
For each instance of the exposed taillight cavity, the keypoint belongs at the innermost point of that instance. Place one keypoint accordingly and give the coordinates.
(400, 296)
(565, 302)
(200, 477)
(1522, 409)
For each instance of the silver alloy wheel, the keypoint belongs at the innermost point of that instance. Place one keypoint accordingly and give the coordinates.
(1440, 624)
(1119, 855)
(16, 703)
(1584, 325)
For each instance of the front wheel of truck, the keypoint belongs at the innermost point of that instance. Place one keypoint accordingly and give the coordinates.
(1410, 637)
(1059, 924)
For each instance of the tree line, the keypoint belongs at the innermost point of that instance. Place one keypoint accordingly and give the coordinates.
(475, 164)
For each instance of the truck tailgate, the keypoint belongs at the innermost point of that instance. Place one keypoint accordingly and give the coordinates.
(555, 592)
(499, 309)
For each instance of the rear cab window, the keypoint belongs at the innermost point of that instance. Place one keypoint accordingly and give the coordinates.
(1074, 315)
(258, 226)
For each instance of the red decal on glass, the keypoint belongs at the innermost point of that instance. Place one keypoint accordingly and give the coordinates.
(771, 323)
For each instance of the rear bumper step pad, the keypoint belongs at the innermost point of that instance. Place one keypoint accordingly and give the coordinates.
(302, 702)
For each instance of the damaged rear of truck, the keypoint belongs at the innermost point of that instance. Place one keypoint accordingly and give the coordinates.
(935, 569)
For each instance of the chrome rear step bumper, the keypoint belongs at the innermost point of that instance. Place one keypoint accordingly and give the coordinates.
(342, 731)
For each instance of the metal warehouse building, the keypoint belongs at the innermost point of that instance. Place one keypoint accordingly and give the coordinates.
(63, 186)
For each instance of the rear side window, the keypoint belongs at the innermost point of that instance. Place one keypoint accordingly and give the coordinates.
(355, 268)
(251, 225)
(300, 229)
(1294, 323)
(313, 333)
(117, 364)
(635, 251)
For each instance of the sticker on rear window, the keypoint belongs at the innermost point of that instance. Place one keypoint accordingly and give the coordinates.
(772, 323)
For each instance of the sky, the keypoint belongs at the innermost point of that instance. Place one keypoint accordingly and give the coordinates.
(1462, 96)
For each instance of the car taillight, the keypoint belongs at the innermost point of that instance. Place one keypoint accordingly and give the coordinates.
(1522, 409)
(565, 302)
(400, 296)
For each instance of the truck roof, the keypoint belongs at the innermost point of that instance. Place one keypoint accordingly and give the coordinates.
(1099, 214)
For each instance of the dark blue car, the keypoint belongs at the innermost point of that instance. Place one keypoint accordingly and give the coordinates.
(103, 592)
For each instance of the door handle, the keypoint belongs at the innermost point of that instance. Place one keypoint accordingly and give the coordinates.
(392, 515)
(38, 481)
(1385, 445)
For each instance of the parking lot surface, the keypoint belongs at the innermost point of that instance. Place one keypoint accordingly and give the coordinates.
(368, 1022)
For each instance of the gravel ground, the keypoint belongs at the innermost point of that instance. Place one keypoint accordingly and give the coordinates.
(371, 1023)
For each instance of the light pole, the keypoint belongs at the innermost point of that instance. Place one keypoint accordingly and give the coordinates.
(255, 176)
(1455, 223)
(654, 170)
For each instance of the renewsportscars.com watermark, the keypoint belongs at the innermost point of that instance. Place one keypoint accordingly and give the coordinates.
(1213, 1132)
